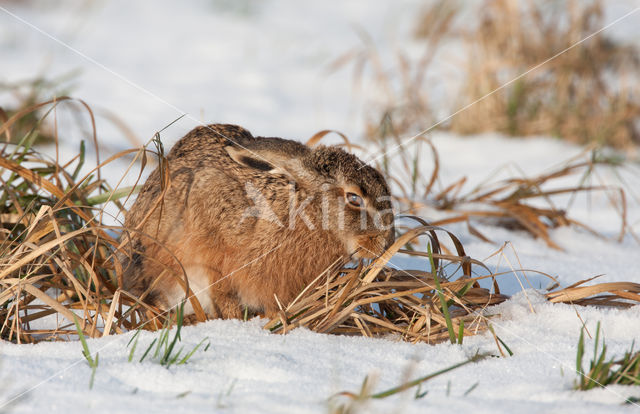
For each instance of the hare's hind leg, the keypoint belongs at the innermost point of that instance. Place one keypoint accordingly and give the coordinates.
(226, 304)
(228, 307)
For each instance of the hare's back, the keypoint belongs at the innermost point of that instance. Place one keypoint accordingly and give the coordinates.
(205, 141)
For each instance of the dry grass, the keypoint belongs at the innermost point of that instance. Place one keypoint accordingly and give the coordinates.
(588, 94)
(58, 261)
(57, 256)
(381, 299)
(530, 203)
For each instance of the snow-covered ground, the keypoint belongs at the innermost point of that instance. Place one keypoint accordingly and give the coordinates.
(262, 64)
(297, 373)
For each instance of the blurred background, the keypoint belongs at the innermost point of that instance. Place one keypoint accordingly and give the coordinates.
(379, 71)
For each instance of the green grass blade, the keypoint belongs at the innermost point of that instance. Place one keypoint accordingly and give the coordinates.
(174, 358)
(133, 337)
(470, 390)
(148, 349)
(580, 355)
(193, 351)
(133, 349)
(93, 372)
(595, 343)
(176, 337)
(114, 195)
(80, 161)
(83, 341)
(505, 346)
(443, 302)
(162, 340)
(461, 332)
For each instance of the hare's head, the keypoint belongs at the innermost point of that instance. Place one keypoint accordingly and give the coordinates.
(334, 191)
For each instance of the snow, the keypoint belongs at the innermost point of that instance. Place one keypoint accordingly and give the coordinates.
(298, 372)
(264, 65)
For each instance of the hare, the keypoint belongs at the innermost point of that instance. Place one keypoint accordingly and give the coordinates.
(249, 220)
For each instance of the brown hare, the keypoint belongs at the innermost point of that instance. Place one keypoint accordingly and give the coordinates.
(250, 219)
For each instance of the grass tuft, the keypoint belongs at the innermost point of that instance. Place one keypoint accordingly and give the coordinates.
(530, 69)
(603, 372)
(59, 259)
(165, 352)
(587, 94)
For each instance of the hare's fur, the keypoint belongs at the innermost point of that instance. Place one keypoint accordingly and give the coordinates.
(223, 216)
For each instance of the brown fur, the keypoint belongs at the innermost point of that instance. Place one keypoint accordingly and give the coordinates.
(198, 225)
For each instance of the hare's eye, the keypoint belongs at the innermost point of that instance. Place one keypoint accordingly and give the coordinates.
(354, 199)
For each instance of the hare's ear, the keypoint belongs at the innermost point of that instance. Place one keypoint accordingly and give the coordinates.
(257, 160)
(249, 159)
